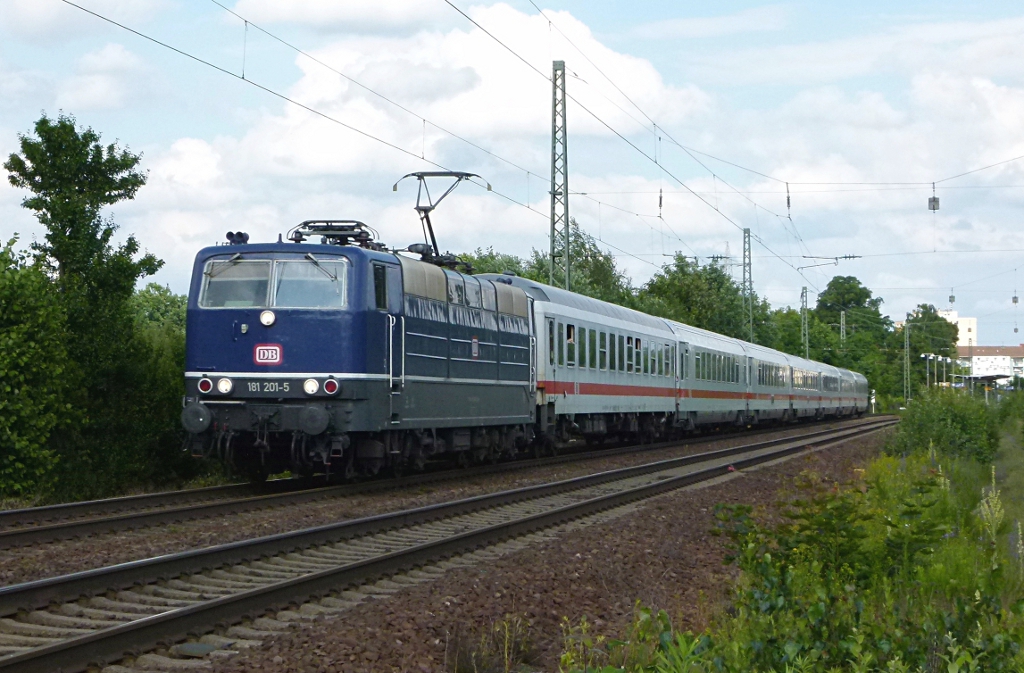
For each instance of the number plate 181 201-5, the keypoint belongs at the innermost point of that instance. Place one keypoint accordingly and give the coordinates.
(267, 388)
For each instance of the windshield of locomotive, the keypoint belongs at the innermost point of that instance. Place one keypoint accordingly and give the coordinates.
(235, 283)
(310, 282)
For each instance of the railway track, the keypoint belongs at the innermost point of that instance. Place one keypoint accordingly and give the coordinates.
(68, 623)
(24, 527)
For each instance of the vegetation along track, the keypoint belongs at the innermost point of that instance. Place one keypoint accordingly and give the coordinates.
(38, 525)
(67, 623)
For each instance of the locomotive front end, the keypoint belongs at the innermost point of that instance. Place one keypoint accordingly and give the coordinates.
(277, 366)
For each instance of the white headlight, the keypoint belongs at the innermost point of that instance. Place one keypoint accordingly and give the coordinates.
(224, 386)
(267, 318)
(311, 386)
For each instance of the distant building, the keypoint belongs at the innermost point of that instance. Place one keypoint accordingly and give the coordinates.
(967, 328)
(1005, 361)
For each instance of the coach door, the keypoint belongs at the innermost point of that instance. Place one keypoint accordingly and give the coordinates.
(682, 369)
(749, 376)
(533, 346)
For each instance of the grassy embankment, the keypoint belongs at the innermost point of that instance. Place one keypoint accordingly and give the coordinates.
(916, 566)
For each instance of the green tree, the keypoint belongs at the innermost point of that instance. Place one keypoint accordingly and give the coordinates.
(846, 293)
(706, 297)
(120, 436)
(489, 261)
(593, 270)
(156, 306)
(822, 342)
(32, 368)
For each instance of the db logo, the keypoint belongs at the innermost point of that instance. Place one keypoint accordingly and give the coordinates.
(267, 354)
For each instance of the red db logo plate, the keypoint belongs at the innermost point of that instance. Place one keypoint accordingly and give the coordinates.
(267, 354)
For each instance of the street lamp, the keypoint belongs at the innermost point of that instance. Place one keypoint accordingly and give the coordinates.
(927, 375)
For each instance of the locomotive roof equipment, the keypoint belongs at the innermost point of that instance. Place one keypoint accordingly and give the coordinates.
(430, 252)
(337, 232)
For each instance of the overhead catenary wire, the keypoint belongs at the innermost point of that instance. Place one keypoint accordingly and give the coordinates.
(327, 117)
(423, 119)
(656, 128)
(719, 159)
(626, 140)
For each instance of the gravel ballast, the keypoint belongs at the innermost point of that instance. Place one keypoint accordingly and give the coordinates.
(660, 552)
(68, 556)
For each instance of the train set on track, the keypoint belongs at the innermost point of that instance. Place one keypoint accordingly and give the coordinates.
(344, 357)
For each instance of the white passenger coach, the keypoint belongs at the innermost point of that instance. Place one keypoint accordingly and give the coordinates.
(602, 369)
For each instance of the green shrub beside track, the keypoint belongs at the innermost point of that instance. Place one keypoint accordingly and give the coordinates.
(914, 567)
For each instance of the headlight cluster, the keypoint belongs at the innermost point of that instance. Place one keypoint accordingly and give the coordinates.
(312, 386)
(224, 386)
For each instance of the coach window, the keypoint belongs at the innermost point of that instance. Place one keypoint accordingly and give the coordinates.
(582, 359)
(647, 358)
(603, 352)
(592, 349)
(622, 353)
(570, 345)
(561, 344)
(670, 370)
(611, 351)
(629, 354)
(661, 361)
(551, 342)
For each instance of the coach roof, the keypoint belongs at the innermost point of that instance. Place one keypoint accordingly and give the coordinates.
(554, 295)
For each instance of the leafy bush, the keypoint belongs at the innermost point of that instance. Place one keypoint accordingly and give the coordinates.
(951, 423)
(907, 570)
(33, 363)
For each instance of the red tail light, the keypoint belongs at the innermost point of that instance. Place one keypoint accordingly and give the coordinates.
(330, 386)
(205, 385)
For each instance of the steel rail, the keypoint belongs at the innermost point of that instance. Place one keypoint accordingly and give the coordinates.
(75, 654)
(40, 593)
(292, 494)
(66, 510)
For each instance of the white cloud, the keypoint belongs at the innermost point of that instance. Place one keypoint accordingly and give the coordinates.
(930, 101)
(104, 79)
(992, 47)
(51, 20)
(348, 17)
(754, 20)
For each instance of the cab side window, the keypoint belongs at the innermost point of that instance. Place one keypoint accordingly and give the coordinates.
(380, 286)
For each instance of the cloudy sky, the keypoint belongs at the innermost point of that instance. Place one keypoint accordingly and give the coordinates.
(859, 107)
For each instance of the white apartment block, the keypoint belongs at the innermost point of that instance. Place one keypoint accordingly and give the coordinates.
(967, 328)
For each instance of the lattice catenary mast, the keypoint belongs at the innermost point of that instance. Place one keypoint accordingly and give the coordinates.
(748, 284)
(560, 230)
(803, 323)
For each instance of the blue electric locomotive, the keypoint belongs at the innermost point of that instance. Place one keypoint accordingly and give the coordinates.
(341, 357)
